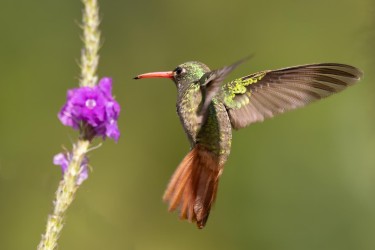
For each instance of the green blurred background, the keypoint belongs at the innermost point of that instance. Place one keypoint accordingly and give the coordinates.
(301, 181)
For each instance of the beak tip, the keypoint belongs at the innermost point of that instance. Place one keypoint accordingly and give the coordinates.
(136, 78)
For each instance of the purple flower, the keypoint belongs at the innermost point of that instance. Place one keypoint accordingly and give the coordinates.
(93, 106)
(64, 159)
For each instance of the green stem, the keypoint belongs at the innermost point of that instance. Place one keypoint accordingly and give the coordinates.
(69, 186)
(64, 197)
(91, 40)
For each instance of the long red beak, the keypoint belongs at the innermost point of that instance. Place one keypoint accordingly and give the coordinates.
(164, 74)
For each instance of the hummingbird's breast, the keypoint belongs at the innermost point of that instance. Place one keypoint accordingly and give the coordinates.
(216, 133)
(187, 106)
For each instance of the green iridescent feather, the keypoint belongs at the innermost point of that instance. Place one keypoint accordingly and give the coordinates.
(238, 87)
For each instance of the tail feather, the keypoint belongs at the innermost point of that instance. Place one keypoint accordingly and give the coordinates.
(178, 182)
(193, 186)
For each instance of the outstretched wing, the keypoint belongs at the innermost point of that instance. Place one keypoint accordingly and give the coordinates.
(265, 94)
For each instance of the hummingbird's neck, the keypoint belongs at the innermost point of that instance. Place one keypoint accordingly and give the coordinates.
(182, 88)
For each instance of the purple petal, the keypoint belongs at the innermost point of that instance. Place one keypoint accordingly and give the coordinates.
(105, 85)
(84, 174)
(116, 108)
(61, 160)
(81, 95)
(112, 130)
(109, 109)
(67, 117)
(112, 110)
(99, 113)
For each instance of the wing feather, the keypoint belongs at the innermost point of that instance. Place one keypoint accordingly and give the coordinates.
(265, 94)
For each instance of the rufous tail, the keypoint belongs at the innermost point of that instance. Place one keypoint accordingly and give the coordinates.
(193, 186)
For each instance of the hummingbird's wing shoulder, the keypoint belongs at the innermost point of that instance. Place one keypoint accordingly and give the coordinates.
(265, 94)
(210, 84)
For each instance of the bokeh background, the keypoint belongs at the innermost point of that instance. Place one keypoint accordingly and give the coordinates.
(302, 181)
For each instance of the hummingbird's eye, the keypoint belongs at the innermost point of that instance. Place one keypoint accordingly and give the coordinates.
(179, 71)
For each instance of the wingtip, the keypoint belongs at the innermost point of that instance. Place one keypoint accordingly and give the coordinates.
(361, 74)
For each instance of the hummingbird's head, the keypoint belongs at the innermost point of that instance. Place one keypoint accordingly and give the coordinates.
(182, 75)
(189, 72)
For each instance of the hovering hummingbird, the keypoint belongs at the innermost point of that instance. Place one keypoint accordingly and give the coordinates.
(209, 108)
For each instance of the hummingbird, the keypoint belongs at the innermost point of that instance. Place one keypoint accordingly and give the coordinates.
(210, 108)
